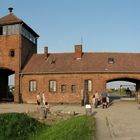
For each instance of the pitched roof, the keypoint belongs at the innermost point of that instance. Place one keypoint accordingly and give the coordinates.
(90, 62)
(10, 19)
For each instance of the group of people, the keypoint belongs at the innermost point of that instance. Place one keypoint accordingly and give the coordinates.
(42, 104)
(100, 99)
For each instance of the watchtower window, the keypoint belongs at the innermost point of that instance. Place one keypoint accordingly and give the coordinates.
(12, 53)
(111, 60)
(11, 29)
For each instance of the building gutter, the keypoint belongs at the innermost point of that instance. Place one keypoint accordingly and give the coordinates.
(85, 72)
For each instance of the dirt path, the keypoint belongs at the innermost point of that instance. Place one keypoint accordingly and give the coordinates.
(121, 121)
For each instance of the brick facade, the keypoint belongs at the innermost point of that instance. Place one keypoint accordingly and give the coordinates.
(98, 83)
(15, 52)
(68, 70)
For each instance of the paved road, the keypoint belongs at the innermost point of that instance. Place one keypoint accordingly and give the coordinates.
(121, 121)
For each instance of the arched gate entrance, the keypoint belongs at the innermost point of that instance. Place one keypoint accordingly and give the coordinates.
(4, 88)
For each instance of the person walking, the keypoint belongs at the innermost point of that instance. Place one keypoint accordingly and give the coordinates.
(97, 99)
(104, 98)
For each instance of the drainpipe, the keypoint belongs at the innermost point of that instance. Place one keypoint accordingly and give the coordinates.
(20, 74)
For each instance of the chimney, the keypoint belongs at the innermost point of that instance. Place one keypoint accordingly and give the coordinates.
(78, 51)
(10, 9)
(46, 52)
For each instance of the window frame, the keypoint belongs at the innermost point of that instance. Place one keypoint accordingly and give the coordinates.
(63, 88)
(52, 86)
(73, 90)
(89, 85)
(111, 60)
(12, 52)
(32, 85)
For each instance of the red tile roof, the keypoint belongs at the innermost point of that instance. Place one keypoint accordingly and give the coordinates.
(90, 62)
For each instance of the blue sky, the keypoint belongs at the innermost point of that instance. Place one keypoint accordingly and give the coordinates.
(103, 25)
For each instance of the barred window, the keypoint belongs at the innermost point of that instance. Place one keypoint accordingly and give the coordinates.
(63, 88)
(32, 85)
(73, 88)
(52, 86)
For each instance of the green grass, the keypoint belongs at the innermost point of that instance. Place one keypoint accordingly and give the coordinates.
(15, 126)
(18, 126)
(76, 128)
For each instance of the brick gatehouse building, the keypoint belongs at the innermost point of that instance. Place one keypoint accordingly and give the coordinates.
(61, 76)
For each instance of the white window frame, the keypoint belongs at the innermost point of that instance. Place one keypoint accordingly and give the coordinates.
(32, 85)
(52, 86)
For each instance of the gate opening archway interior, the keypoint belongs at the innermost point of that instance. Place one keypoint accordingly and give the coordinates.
(123, 87)
(4, 84)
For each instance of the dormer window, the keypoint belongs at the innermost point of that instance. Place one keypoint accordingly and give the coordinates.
(111, 60)
(53, 61)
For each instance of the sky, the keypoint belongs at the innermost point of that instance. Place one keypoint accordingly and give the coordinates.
(100, 25)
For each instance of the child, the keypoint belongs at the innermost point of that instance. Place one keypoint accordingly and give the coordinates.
(46, 109)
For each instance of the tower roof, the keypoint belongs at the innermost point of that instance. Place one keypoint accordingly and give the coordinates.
(11, 18)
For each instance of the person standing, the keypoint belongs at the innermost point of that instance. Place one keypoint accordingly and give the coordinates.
(104, 98)
(38, 100)
(93, 100)
(82, 97)
(97, 99)
(43, 98)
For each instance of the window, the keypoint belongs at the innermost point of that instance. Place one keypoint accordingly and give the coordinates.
(111, 60)
(12, 53)
(88, 85)
(63, 88)
(32, 85)
(28, 35)
(11, 29)
(73, 88)
(52, 86)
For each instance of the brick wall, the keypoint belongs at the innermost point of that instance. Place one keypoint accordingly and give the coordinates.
(99, 84)
(23, 49)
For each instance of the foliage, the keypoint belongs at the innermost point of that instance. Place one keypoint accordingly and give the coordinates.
(17, 126)
(76, 128)
(117, 92)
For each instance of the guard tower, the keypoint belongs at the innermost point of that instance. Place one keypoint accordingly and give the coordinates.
(18, 42)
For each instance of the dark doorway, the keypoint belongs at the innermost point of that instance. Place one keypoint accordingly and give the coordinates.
(87, 89)
(4, 86)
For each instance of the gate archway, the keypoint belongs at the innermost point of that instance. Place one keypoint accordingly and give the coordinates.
(4, 87)
(132, 85)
